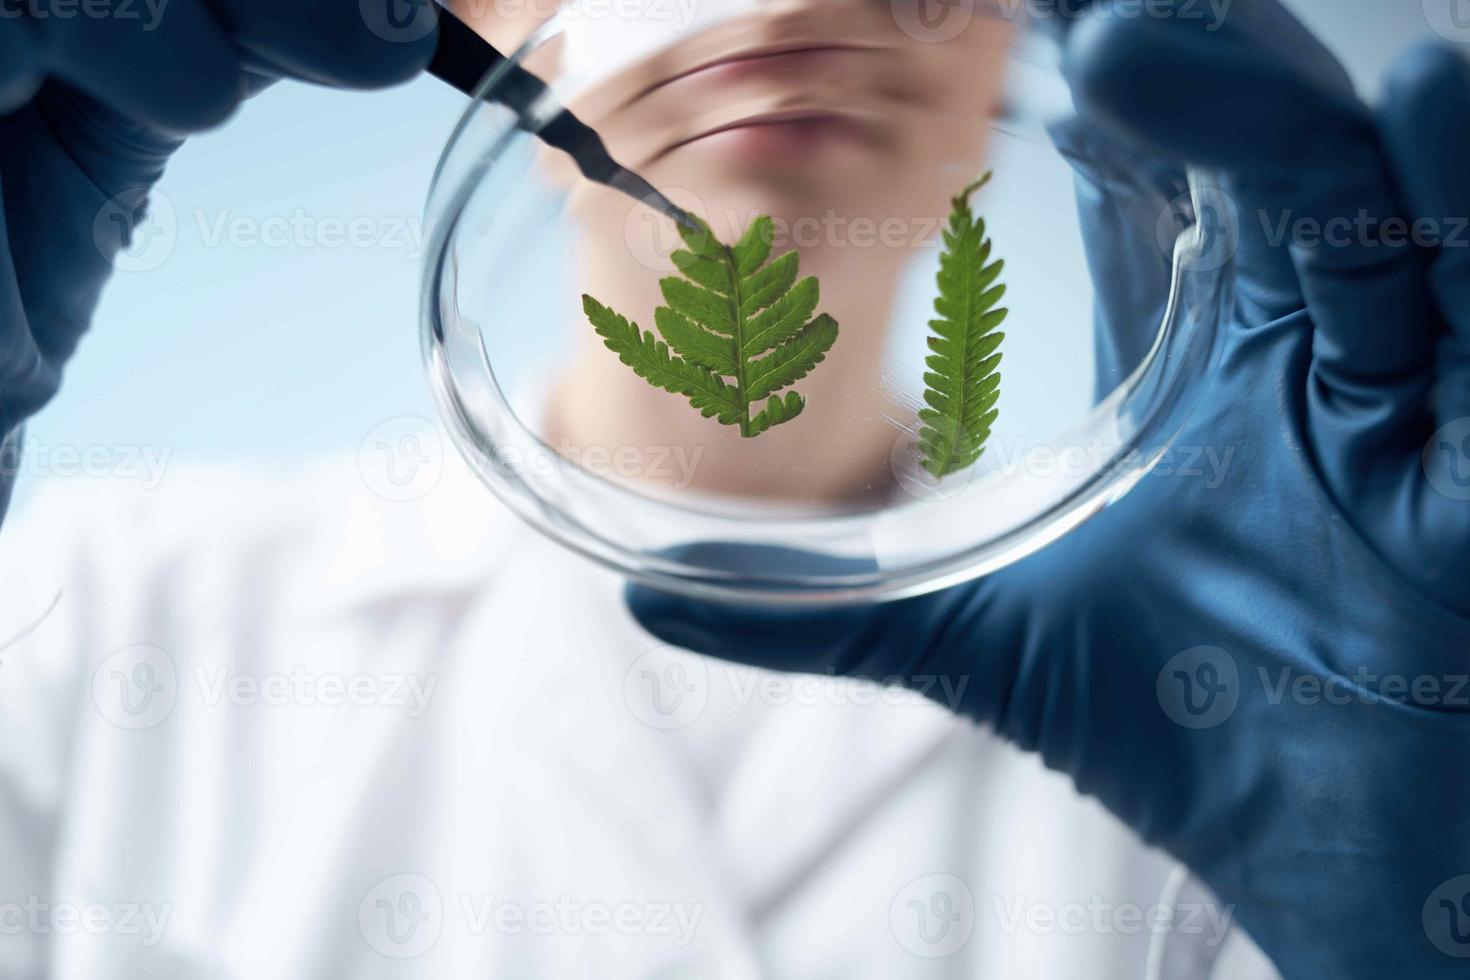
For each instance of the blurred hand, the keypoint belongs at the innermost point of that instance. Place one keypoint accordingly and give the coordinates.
(1266, 675)
(94, 97)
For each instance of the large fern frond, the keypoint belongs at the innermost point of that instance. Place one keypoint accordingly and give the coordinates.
(962, 384)
(736, 330)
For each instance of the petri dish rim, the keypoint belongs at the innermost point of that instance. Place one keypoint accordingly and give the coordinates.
(1158, 393)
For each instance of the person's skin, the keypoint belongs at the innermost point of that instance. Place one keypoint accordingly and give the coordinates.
(817, 113)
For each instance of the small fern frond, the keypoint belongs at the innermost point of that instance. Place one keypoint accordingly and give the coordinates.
(736, 330)
(962, 385)
(649, 357)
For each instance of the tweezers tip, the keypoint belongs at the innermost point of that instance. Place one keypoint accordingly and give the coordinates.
(635, 186)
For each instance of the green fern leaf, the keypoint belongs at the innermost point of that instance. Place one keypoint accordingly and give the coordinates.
(777, 410)
(650, 359)
(962, 384)
(736, 330)
(793, 360)
(753, 248)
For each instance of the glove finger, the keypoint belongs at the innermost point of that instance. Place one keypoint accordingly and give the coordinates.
(1133, 209)
(345, 43)
(1426, 125)
(1119, 204)
(255, 82)
(172, 67)
(805, 640)
(966, 647)
(1262, 101)
(857, 641)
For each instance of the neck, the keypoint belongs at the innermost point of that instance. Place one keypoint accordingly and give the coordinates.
(836, 451)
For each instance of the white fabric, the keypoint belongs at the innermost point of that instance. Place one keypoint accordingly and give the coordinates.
(514, 780)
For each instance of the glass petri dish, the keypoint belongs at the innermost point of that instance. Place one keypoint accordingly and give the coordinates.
(851, 130)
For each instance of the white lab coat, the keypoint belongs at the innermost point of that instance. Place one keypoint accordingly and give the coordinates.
(290, 728)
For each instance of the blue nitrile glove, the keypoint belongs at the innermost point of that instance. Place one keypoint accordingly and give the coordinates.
(1263, 674)
(94, 99)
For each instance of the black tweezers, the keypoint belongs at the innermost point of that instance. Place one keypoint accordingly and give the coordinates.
(463, 59)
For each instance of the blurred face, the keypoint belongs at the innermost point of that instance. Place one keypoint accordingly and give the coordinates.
(826, 115)
(811, 104)
(789, 108)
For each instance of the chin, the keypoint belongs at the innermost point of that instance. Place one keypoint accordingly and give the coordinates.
(781, 169)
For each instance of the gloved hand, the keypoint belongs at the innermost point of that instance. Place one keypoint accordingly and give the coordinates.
(92, 105)
(1264, 676)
